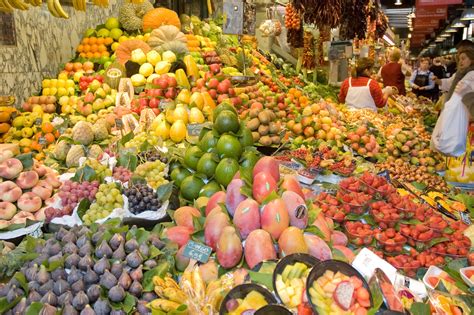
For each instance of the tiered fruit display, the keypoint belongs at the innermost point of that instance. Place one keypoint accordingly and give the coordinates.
(60, 86)
(47, 104)
(107, 198)
(7, 114)
(266, 128)
(363, 142)
(24, 189)
(97, 96)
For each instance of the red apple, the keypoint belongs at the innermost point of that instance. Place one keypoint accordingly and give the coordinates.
(215, 67)
(172, 82)
(222, 97)
(170, 93)
(154, 102)
(213, 93)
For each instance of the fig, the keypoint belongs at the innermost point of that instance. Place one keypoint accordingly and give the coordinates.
(103, 250)
(60, 286)
(48, 286)
(49, 298)
(131, 245)
(125, 281)
(149, 296)
(134, 259)
(136, 289)
(12, 294)
(58, 273)
(102, 307)
(81, 241)
(82, 230)
(40, 259)
(69, 310)
(20, 308)
(142, 308)
(78, 286)
(101, 265)
(80, 301)
(119, 253)
(72, 260)
(34, 296)
(87, 311)
(117, 294)
(93, 293)
(30, 273)
(144, 250)
(150, 264)
(48, 310)
(54, 249)
(85, 249)
(74, 275)
(117, 312)
(108, 280)
(85, 262)
(90, 277)
(65, 298)
(69, 237)
(43, 275)
(5, 288)
(117, 269)
(116, 240)
(70, 248)
(60, 233)
(137, 274)
(32, 285)
(55, 258)
(97, 237)
(156, 241)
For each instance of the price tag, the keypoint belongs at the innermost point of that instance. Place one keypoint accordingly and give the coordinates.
(36, 233)
(197, 251)
(385, 174)
(42, 140)
(194, 129)
(38, 121)
(465, 217)
(234, 17)
(118, 123)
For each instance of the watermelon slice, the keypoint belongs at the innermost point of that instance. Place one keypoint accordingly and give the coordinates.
(343, 294)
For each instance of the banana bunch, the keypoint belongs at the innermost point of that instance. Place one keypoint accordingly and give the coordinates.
(170, 295)
(55, 8)
(101, 3)
(7, 6)
(79, 5)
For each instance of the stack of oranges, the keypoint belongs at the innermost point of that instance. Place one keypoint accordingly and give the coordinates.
(41, 139)
(94, 47)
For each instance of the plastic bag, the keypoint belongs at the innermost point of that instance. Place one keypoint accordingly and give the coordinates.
(449, 134)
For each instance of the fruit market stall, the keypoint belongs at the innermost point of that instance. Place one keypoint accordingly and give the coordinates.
(148, 177)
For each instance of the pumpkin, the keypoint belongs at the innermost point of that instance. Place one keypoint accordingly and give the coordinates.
(124, 50)
(160, 16)
(165, 34)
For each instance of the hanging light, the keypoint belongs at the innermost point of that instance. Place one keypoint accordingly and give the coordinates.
(446, 35)
(398, 2)
(452, 30)
(458, 24)
(467, 15)
(409, 35)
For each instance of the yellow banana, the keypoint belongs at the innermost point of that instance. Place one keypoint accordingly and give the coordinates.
(170, 283)
(51, 8)
(18, 4)
(164, 305)
(198, 284)
(8, 7)
(60, 10)
(158, 281)
(175, 295)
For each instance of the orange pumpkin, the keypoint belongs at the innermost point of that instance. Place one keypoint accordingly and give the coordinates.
(160, 16)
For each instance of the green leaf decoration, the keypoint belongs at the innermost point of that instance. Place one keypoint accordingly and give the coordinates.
(85, 173)
(34, 308)
(126, 305)
(161, 270)
(419, 308)
(315, 230)
(272, 196)
(23, 282)
(128, 160)
(83, 206)
(26, 160)
(129, 136)
(164, 192)
(265, 279)
(5, 306)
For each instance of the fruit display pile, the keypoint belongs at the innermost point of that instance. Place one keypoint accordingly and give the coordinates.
(135, 182)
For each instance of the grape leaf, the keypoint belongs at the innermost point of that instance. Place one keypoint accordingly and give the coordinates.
(26, 160)
(83, 206)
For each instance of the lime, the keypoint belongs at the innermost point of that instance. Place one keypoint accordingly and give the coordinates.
(192, 156)
(207, 142)
(226, 170)
(227, 121)
(103, 32)
(112, 23)
(229, 146)
(207, 164)
(174, 165)
(246, 139)
(190, 187)
(210, 189)
(222, 107)
(178, 174)
(249, 159)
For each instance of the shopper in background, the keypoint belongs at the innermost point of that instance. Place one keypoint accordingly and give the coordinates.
(422, 80)
(392, 73)
(360, 91)
(439, 71)
(450, 66)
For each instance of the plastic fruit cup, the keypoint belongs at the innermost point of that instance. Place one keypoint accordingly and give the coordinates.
(389, 246)
(386, 222)
(358, 239)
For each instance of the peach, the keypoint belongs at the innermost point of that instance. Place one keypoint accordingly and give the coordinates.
(43, 189)
(40, 169)
(40, 215)
(9, 191)
(5, 155)
(53, 180)
(21, 217)
(10, 168)
(7, 210)
(4, 224)
(29, 202)
(27, 179)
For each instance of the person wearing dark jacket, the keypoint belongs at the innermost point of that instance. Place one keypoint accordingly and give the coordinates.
(438, 70)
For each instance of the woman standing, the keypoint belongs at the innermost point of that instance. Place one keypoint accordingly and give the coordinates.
(438, 70)
(422, 80)
(392, 73)
(360, 91)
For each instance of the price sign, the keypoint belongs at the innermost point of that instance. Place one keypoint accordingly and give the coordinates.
(385, 174)
(118, 123)
(234, 17)
(465, 217)
(194, 129)
(36, 233)
(197, 251)
(38, 121)
(42, 140)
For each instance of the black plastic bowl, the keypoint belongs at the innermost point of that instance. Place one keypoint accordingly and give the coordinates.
(273, 309)
(241, 291)
(335, 266)
(306, 259)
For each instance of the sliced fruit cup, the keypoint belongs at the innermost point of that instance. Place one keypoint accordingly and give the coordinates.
(447, 250)
(352, 184)
(336, 212)
(246, 297)
(364, 238)
(391, 246)
(385, 220)
(435, 275)
(467, 274)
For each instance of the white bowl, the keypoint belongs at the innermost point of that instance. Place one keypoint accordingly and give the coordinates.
(433, 271)
(465, 278)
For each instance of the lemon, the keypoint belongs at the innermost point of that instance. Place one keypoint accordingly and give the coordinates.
(180, 113)
(25, 142)
(46, 91)
(46, 83)
(196, 116)
(37, 109)
(114, 46)
(27, 132)
(53, 91)
(163, 130)
(178, 131)
(62, 91)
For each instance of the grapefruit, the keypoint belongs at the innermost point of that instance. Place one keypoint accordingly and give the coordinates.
(207, 164)
(190, 187)
(192, 156)
(178, 174)
(227, 121)
(222, 107)
(210, 189)
(207, 142)
(226, 170)
(229, 146)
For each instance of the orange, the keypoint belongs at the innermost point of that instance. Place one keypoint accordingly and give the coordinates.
(56, 134)
(4, 116)
(88, 66)
(108, 41)
(82, 55)
(100, 41)
(35, 146)
(80, 48)
(97, 54)
(4, 127)
(94, 47)
(87, 48)
(26, 150)
(49, 137)
(105, 54)
(77, 66)
(102, 48)
(89, 55)
(47, 127)
(92, 40)
(86, 41)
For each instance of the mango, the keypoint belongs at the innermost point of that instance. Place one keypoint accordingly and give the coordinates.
(323, 226)
(290, 183)
(263, 185)
(229, 248)
(338, 238)
(181, 261)
(269, 166)
(317, 247)
(209, 271)
(291, 241)
(274, 218)
(179, 234)
(216, 199)
(297, 209)
(259, 247)
(247, 217)
(347, 252)
(233, 196)
(213, 228)
(184, 216)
